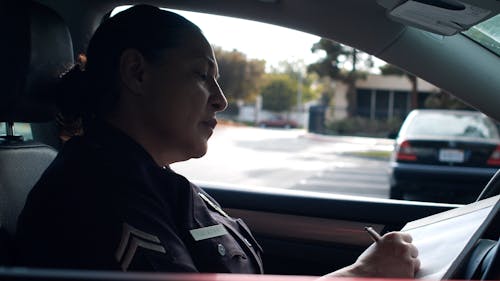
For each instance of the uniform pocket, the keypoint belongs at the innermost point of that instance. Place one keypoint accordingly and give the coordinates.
(227, 248)
(220, 254)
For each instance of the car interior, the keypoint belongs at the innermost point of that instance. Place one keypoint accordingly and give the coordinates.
(302, 233)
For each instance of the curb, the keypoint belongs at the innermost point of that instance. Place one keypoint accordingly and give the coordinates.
(351, 139)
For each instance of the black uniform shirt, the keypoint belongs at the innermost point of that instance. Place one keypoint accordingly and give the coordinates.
(105, 204)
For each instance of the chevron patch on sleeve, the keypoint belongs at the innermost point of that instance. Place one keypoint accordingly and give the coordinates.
(132, 239)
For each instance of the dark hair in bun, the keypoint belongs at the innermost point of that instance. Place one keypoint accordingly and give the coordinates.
(89, 89)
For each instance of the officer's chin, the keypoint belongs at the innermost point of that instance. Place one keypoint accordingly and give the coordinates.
(199, 150)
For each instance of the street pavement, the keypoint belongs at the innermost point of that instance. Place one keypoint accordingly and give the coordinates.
(353, 176)
(291, 159)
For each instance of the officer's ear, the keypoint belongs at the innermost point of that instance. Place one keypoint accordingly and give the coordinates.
(132, 71)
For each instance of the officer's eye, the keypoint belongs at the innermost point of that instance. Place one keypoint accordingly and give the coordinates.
(202, 75)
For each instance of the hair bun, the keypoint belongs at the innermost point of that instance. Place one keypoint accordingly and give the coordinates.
(72, 93)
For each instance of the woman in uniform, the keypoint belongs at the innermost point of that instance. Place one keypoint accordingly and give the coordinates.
(147, 97)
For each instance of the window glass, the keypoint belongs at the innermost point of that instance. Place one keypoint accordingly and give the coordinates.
(382, 104)
(364, 102)
(401, 104)
(22, 129)
(299, 121)
(452, 125)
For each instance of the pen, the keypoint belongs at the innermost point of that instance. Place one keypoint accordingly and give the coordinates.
(373, 234)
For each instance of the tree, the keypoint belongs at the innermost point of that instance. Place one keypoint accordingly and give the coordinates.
(389, 69)
(307, 82)
(444, 100)
(333, 65)
(279, 94)
(240, 78)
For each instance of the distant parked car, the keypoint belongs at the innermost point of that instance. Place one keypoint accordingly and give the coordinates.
(445, 154)
(278, 122)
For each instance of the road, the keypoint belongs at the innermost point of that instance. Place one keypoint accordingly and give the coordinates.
(291, 159)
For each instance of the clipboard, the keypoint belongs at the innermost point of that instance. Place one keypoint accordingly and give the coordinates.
(445, 239)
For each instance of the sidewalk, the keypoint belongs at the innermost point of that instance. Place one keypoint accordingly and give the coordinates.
(350, 139)
(363, 147)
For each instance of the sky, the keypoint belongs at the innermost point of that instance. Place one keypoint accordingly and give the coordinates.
(257, 40)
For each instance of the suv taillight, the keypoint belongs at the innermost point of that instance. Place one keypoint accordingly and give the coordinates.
(494, 159)
(405, 152)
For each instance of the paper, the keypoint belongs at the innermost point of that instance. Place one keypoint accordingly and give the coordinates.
(442, 239)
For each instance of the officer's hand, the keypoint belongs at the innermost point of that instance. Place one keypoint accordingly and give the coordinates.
(392, 256)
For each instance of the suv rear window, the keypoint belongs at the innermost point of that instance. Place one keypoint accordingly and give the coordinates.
(452, 125)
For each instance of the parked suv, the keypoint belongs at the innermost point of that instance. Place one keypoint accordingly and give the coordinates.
(444, 154)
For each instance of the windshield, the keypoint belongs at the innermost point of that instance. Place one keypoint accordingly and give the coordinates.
(452, 125)
(487, 34)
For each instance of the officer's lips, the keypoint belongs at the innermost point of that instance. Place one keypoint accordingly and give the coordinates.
(211, 123)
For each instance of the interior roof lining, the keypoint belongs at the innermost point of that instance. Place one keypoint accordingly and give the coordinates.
(265, 12)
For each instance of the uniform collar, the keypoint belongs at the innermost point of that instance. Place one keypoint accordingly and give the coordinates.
(105, 136)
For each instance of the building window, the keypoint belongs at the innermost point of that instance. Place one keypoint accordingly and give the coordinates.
(364, 102)
(401, 104)
(381, 104)
(386, 104)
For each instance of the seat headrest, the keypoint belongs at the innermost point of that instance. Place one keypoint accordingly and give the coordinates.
(36, 48)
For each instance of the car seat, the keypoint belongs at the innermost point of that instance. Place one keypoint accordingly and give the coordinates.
(36, 47)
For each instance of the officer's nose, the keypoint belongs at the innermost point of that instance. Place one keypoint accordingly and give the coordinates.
(217, 99)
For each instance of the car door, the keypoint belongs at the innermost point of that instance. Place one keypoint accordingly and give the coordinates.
(309, 233)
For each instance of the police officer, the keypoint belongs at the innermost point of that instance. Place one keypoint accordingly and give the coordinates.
(146, 97)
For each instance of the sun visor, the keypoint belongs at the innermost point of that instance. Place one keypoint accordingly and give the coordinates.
(444, 17)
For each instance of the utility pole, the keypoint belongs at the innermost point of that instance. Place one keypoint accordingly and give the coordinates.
(299, 91)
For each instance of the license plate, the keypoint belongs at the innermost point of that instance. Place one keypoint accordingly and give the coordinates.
(451, 155)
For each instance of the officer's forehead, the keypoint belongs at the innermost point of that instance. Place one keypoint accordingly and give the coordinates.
(197, 46)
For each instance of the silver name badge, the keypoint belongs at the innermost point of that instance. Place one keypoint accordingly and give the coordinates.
(208, 232)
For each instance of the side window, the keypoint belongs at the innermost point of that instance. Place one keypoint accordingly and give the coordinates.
(310, 114)
(22, 129)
